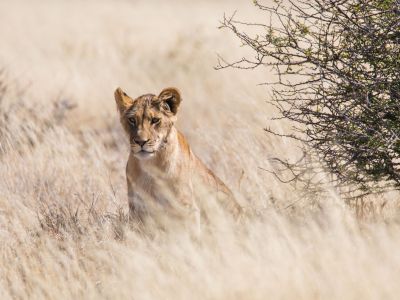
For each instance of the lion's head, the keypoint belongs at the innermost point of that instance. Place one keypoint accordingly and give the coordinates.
(148, 119)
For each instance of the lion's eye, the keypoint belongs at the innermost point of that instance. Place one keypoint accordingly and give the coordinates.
(155, 120)
(132, 121)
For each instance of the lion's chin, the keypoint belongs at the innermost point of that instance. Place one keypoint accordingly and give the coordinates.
(144, 155)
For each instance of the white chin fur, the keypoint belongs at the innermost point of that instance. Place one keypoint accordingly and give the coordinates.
(144, 155)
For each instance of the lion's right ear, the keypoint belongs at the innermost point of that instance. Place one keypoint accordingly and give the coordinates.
(123, 100)
(172, 98)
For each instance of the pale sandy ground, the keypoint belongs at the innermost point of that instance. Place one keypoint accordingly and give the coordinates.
(63, 232)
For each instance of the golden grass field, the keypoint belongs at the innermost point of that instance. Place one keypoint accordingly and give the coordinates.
(63, 207)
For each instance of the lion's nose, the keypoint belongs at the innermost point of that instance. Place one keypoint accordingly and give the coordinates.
(141, 142)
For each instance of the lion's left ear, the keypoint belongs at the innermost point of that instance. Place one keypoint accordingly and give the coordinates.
(123, 100)
(172, 98)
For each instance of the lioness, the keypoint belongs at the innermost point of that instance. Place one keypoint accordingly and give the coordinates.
(162, 168)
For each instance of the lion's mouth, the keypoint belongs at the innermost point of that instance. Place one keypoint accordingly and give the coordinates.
(143, 154)
(146, 152)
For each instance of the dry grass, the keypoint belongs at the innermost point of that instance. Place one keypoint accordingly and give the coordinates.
(63, 228)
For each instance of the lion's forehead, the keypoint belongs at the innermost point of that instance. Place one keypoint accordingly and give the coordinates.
(144, 106)
(147, 98)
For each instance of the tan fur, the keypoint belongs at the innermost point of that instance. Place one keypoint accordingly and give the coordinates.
(164, 170)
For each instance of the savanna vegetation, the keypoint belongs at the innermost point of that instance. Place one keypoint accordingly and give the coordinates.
(338, 83)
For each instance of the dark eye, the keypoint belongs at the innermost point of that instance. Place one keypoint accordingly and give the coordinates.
(155, 120)
(132, 121)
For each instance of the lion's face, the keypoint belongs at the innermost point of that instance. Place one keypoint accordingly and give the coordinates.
(148, 119)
